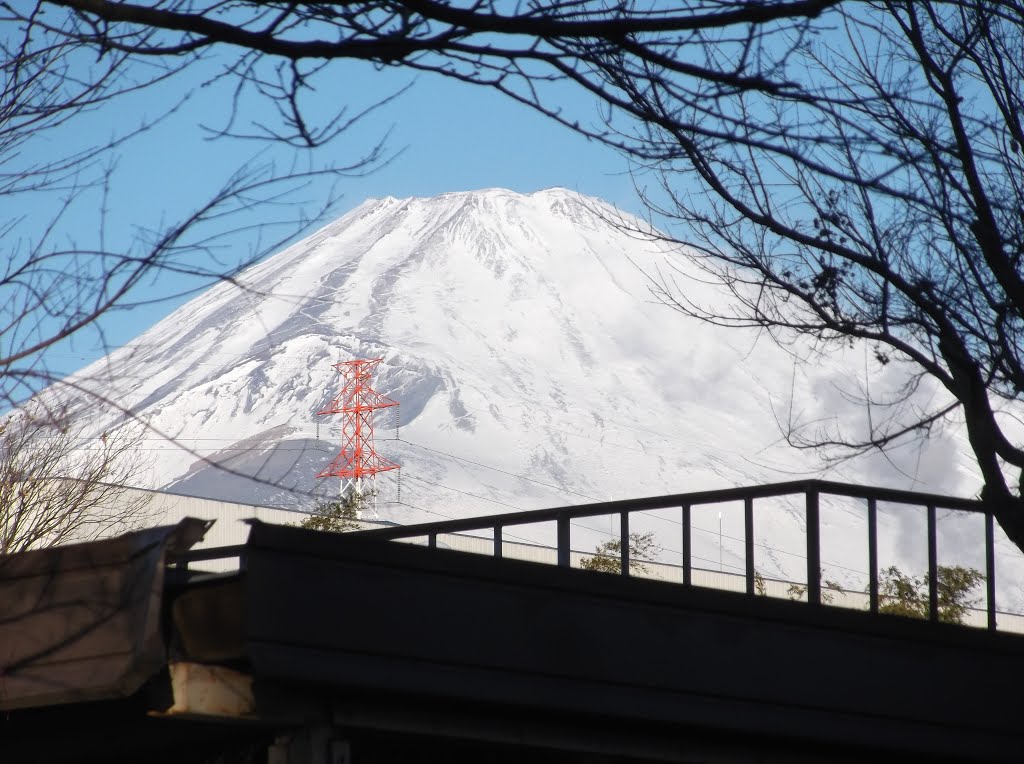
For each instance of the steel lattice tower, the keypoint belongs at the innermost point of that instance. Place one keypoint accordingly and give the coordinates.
(357, 402)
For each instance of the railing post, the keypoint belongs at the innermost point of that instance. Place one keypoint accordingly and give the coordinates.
(873, 555)
(933, 568)
(748, 542)
(497, 542)
(624, 540)
(564, 558)
(687, 551)
(990, 568)
(432, 540)
(813, 548)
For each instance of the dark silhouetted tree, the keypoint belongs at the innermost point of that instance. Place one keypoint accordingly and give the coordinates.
(338, 516)
(900, 594)
(607, 558)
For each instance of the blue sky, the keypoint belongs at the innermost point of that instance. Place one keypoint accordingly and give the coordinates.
(447, 136)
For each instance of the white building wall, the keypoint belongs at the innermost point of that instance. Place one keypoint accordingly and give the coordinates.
(229, 528)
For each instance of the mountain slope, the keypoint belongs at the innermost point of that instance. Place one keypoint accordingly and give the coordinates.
(532, 366)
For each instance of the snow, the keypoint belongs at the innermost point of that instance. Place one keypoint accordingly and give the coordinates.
(533, 367)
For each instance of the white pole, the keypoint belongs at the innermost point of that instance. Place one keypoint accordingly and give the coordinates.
(719, 542)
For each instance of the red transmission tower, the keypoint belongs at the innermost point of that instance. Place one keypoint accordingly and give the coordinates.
(357, 402)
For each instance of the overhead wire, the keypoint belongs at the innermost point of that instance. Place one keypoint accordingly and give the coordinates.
(648, 513)
(465, 493)
(504, 534)
(576, 524)
(642, 448)
(576, 493)
(601, 441)
(531, 542)
(560, 489)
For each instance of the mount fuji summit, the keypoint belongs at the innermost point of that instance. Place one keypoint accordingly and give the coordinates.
(532, 365)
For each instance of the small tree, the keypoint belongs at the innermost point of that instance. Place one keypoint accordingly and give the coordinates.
(900, 594)
(608, 555)
(58, 485)
(798, 591)
(760, 585)
(338, 516)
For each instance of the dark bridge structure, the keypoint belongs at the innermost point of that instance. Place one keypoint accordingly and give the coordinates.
(350, 647)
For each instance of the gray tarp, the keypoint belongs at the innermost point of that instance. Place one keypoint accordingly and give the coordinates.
(82, 621)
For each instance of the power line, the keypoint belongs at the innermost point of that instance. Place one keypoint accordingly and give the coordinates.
(642, 512)
(235, 358)
(506, 535)
(648, 513)
(601, 442)
(644, 447)
(576, 524)
(565, 490)
(762, 545)
(451, 517)
(465, 493)
(560, 489)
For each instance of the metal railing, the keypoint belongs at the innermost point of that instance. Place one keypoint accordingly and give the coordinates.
(812, 492)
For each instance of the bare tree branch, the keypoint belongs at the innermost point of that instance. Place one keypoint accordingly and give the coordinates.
(849, 171)
(56, 487)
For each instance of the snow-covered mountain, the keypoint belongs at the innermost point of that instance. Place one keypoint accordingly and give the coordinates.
(532, 365)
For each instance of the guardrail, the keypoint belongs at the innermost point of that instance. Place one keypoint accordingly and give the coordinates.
(811, 490)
